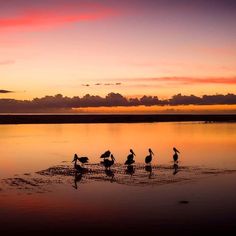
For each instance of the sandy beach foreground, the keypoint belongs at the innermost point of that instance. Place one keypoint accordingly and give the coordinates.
(111, 118)
(181, 208)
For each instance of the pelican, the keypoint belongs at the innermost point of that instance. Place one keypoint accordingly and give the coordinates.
(79, 168)
(106, 154)
(130, 158)
(81, 159)
(148, 158)
(129, 162)
(175, 156)
(108, 163)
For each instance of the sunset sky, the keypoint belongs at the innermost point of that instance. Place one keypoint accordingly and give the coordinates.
(132, 47)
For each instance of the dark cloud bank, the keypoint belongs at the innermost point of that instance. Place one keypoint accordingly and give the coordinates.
(61, 103)
(5, 91)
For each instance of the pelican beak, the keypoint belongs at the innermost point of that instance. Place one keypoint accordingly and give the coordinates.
(131, 150)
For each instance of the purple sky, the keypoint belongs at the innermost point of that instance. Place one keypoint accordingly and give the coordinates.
(155, 47)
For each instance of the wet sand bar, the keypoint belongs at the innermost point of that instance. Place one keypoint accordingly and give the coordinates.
(111, 118)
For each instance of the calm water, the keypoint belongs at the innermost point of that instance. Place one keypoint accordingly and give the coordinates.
(26, 148)
(118, 201)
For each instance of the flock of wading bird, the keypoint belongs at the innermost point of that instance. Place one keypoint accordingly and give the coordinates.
(109, 160)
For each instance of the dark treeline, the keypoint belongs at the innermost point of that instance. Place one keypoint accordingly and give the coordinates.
(60, 102)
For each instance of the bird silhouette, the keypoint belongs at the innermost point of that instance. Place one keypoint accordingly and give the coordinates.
(175, 156)
(82, 160)
(129, 162)
(148, 158)
(130, 158)
(78, 167)
(106, 154)
(108, 163)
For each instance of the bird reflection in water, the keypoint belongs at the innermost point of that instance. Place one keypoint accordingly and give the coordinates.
(130, 170)
(176, 168)
(77, 178)
(109, 173)
(148, 168)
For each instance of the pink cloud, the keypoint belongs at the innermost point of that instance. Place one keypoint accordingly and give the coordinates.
(190, 80)
(57, 16)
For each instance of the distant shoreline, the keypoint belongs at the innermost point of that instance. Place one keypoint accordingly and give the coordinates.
(111, 118)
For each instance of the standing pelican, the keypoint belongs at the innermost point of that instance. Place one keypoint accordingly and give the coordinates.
(148, 158)
(106, 154)
(83, 160)
(78, 167)
(175, 156)
(108, 163)
(130, 158)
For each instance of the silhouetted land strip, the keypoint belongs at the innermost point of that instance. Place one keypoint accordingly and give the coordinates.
(59, 119)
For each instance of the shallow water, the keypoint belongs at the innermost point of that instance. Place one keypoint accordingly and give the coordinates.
(40, 192)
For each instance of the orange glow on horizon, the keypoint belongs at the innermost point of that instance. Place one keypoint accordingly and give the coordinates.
(161, 109)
